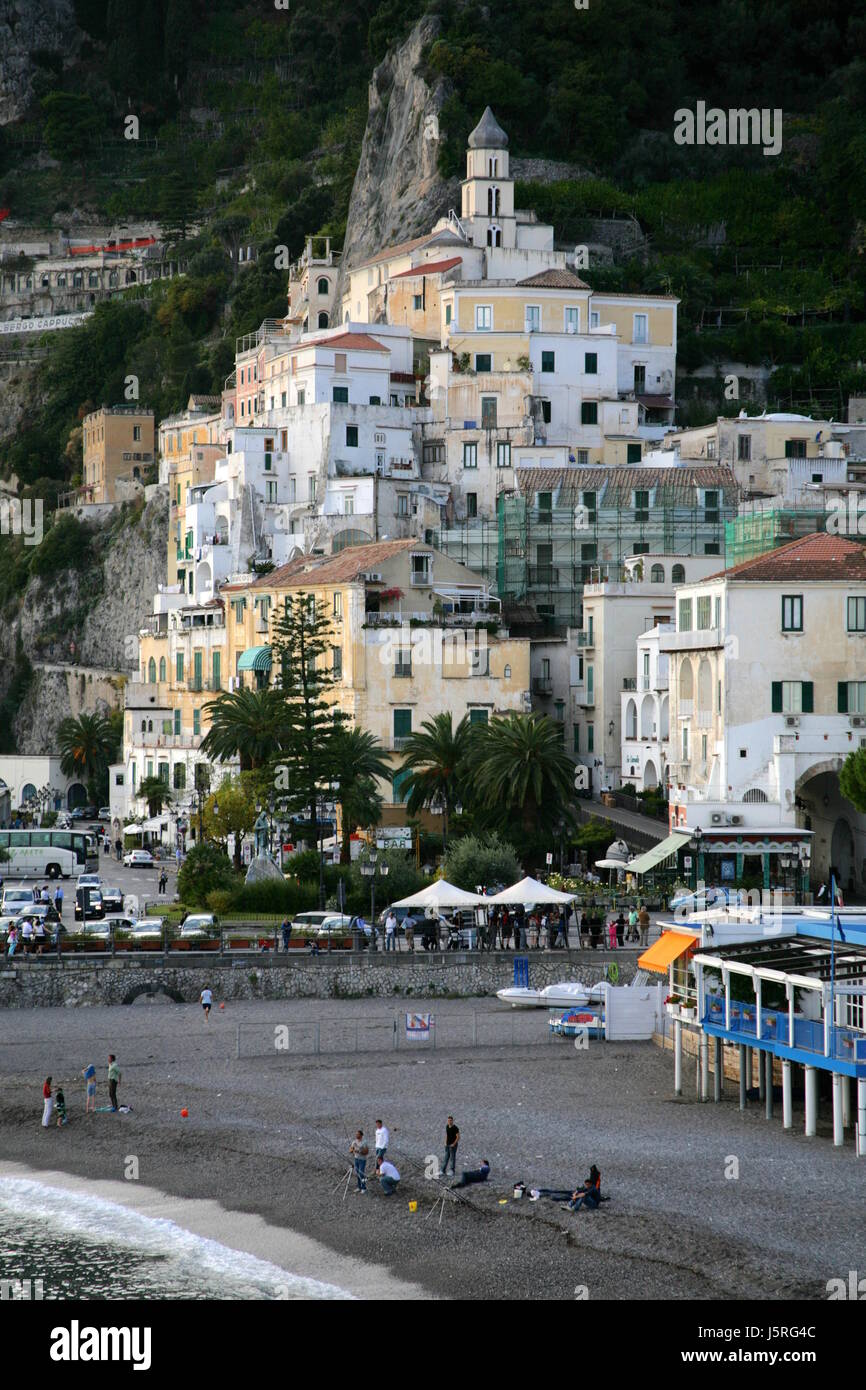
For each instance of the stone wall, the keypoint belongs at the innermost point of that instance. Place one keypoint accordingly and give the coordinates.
(47, 983)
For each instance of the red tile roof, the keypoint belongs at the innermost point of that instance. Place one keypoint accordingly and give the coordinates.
(555, 279)
(362, 341)
(344, 567)
(820, 556)
(428, 268)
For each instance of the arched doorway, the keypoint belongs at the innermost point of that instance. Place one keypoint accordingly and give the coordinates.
(650, 776)
(838, 830)
(76, 796)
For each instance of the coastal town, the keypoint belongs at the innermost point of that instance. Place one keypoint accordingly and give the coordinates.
(481, 719)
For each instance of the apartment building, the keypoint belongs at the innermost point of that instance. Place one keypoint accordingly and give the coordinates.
(118, 449)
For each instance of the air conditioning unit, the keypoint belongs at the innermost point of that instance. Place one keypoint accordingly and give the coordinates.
(792, 721)
(736, 820)
(717, 818)
(373, 578)
(858, 721)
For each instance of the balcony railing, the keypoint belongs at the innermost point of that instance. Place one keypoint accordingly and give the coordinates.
(398, 743)
(809, 1035)
(542, 685)
(629, 682)
(586, 639)
(403, 670)
(685, 708)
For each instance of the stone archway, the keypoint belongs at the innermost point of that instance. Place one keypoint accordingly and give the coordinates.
(152, 990)
(842, 855)
(838, 830)
(650, 776)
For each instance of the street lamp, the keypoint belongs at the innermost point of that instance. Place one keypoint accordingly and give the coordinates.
(369, 871)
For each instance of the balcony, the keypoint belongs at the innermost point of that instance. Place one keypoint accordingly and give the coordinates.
(542, 685)
(421, 579)
(629, 682)
(403, 671)
(544, 576)
(399, 742)
(685, 709)
(808, 1035)
(586, 639)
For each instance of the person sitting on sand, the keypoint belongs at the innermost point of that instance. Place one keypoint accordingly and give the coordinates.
(570, 1195)
(589, 1194)
(473, 1175)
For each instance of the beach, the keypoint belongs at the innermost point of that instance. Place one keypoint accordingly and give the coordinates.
(257, 1164)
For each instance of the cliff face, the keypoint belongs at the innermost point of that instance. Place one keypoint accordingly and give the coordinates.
(398, 193)
(27, 28)
(72, 629)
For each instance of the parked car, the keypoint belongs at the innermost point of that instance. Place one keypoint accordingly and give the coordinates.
(148, 930)
(310, 921)
(88, 903)
(335, 924)
(15, 900)
(88, 881)
(199, 925)
(112, 899)
(99, 929)
(104, 813)
(138, 859)
(45, 912)
(404, 915)
(703, 900)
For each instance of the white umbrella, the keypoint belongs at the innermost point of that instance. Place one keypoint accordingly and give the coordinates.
(442, 894)
(529, 890)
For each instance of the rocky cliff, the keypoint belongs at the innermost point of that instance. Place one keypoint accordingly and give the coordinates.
(398, 193)
(26, 29)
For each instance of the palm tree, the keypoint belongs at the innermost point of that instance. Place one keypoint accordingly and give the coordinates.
(87, 745)
(357, 760)
(519, 766)
(245, 724)
(435, 761)
(155, 792)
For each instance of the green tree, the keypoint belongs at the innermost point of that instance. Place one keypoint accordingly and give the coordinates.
(521, 771)
(357, 761)
(434, 759)
(401, 880)
(87, 745)
(71, 125)
(205, 870)
(302, 645)
(852, 779)
(231, 811)
(486, 860)
(155, 791)
(247, 724)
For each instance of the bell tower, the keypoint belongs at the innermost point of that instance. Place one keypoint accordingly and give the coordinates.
(488, 191)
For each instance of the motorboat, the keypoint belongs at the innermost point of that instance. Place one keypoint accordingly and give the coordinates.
(569, 992)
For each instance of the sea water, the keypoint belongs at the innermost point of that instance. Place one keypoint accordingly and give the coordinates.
(71, 1245)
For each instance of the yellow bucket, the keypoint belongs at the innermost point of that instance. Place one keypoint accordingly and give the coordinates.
(413, 1206)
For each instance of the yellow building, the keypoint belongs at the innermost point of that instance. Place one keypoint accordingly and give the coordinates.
(118, 444)
(414, 634)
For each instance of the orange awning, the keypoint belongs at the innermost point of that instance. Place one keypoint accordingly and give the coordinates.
(669, 947)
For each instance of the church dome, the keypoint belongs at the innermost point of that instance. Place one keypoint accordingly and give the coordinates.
(488, 134)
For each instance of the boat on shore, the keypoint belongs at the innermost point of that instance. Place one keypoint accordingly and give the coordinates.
(569, 992)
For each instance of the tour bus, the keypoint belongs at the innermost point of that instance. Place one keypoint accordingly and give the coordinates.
(47, 853)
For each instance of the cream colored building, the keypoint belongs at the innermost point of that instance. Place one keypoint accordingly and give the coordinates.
(767, 698)
(312, 286)
(189, 446)
(410, 640)
(775, 455)
(118, 450)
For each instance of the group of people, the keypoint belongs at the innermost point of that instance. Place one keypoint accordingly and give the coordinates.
(55, 1102)
(587, 1195)
(387, 1173)
(33, 932)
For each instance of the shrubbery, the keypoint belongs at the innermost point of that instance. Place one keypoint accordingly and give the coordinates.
(205, 870)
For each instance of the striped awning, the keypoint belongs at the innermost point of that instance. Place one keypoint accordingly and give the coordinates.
(659, 853)
(255, 659)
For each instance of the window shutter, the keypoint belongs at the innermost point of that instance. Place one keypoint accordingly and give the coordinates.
(808, 696)
(842, 697)
(777, 697)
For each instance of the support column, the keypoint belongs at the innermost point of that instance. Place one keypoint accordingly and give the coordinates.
(811, 1082)
(838, 1126)
(718, 1070)
(748, 1069)
(861, 1117)
(846, 1101)
(768, 1084)
(762, 1077)
(787, 1117)
(743, 1051)
(704, 1048)
(678, 1057)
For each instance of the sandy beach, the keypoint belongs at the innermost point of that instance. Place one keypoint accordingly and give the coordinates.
(256, 1163)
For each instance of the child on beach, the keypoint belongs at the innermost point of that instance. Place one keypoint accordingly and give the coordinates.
(60, 1107)
(207, 1002)
(89, 1074)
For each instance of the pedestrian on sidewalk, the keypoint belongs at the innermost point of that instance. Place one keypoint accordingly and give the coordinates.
(163, 880)
(286, 932)
(58, 900)
(390, 930)
(113, 1078)
(643, 922)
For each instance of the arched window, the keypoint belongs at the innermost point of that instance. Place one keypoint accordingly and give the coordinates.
(77, 280)
(144, 726)
(631, 720)
(323, 320)
(179, 777)
(755, 794)
(162, 668)
(647, 713)
(657, 574)
(130, 277)
(687, 681)
(678, 574)
(112, 279)
(150, 726)
(28, 792)
(705, 687)
(93, 279)
(323, 286)
(151, 671)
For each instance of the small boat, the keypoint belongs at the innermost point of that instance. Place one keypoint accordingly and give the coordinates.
(553, 996)
(576, 1021)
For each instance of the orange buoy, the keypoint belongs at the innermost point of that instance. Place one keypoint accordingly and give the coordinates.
(222, 1006)
(184, 1114)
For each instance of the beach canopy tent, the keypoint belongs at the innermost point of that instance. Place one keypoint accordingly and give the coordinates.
(529, 890)
(443, 894)
(662, 953)
(655, 857)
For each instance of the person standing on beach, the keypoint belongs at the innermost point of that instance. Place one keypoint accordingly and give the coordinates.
(47, 1103)
(113, 1078)
(359, 1151)
(383, 1139)
(206, 1000)
(89, 1074)
(452, 1139)
(60, 1107)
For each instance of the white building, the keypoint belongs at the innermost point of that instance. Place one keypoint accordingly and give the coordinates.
(645, 714)
(767, 698)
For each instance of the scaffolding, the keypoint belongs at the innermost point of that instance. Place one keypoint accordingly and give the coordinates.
(757, 532)
(567, 528)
